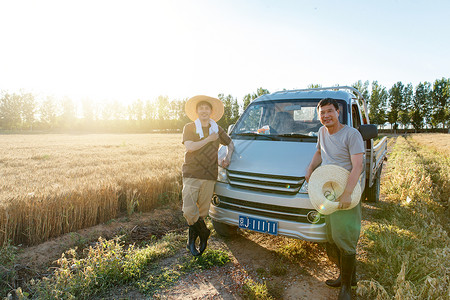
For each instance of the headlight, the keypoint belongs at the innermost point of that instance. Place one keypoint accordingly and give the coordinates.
(304, 188)
(222, 175)
(313, 217)
(215, 200)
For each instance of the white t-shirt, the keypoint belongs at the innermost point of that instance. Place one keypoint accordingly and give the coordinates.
(337, 148)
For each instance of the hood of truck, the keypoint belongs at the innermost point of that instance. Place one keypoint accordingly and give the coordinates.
(271, 157)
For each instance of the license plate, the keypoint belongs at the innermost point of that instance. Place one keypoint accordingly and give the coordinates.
(259, 225)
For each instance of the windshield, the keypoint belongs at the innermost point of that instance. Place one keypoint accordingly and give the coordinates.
(283, 118)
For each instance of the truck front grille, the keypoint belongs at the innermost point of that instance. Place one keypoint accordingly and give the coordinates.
(268, 210)
(289, 185)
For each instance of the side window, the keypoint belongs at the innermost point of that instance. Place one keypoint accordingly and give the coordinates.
(356, 119)
(251, 121)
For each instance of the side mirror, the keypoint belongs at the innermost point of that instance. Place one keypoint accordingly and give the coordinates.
(230, 128)
(368, 131)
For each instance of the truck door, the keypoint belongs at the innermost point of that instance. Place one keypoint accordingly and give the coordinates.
(356, 122)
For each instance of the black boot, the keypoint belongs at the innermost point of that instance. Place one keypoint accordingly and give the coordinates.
(204, 233)
(337, 282)
(193, 234)
(334, 254)
(347, 266)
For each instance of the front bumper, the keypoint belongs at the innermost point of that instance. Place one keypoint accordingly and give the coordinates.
(290, 224)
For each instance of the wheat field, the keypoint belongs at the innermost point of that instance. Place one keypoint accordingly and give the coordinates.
(54, 184)
(405, 251)
(57, 183)
(440, 142)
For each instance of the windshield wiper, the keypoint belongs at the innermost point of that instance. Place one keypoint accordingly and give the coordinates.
(295, 135)
(271, 137)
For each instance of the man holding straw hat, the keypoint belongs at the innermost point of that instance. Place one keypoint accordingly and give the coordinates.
(201, 139)
(342, 146)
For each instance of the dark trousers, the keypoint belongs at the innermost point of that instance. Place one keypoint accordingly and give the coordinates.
(343, 229)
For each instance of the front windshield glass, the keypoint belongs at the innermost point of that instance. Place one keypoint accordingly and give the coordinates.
(282, 118)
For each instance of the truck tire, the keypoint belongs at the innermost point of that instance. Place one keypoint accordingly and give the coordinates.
(224, 230)
(372, 194)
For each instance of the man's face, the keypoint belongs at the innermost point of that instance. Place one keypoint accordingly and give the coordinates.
(204, 112)
(329, 116)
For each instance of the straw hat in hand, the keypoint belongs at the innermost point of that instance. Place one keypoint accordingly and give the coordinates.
(326, 184)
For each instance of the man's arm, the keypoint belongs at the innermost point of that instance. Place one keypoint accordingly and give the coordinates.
(357, 166)
(315, 162)
(193, 146)
(227, 159)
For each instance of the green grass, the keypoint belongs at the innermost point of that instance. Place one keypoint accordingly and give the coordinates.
(208, 259)
(278, 268)
(8, 255)
(406, 239)
(113, 263)
(157, 278)
(297, 250)
(255, 291)
(262, 290)
(266, 284)
(109, 264)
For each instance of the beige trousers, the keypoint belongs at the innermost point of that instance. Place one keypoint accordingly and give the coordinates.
(197, 194)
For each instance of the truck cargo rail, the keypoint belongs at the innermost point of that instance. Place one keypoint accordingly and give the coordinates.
(378, 154)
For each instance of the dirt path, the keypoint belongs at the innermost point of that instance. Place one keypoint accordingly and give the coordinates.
(253, 256)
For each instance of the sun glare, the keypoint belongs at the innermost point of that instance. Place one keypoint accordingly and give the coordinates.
(110, 50)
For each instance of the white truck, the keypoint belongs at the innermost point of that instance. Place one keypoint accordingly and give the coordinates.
(264, 187)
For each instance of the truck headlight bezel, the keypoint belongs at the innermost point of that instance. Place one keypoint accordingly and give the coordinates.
(222, 175)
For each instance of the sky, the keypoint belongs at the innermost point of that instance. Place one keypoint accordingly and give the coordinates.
(128, 50)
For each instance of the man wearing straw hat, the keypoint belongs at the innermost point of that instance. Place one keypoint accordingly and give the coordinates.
(201, 139)
(340, 145)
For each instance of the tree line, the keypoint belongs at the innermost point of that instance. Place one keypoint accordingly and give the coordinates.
(421, 107)
(425, 106)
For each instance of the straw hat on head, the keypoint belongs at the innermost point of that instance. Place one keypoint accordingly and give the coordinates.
(191, 107)
(326, 185)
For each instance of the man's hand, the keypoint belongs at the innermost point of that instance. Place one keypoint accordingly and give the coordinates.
(357, 166)
(212, 137)
(344, 201)
(225, 162)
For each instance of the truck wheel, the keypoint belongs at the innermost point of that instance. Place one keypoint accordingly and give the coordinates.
(224, 229)
(373, 193)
